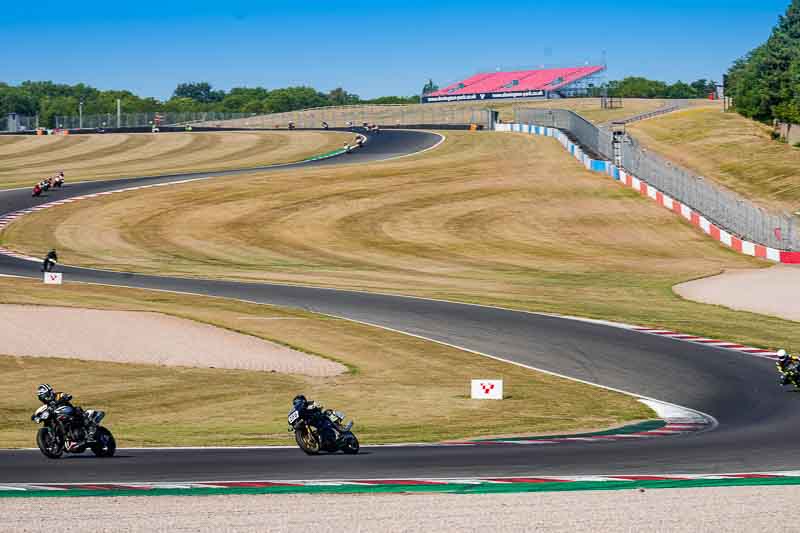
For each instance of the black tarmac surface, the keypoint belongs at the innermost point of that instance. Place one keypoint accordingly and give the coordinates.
(758, 420)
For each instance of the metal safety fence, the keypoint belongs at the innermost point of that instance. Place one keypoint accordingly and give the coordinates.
(592, 139)
(340, 117)
(722, 207)
(140, 120)
(334, 117)
(18, 123)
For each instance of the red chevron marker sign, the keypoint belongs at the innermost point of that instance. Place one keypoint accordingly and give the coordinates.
(487, 389)
(52, 278)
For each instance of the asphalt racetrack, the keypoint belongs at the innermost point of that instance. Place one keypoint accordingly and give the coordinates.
(759, 423)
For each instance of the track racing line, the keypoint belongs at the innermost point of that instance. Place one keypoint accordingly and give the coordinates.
(749, 424)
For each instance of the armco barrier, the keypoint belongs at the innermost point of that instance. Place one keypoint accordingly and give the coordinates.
(619, 174)
(725, 208)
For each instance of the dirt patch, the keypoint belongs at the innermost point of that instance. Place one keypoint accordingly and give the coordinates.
(768, 291)
(146, 338)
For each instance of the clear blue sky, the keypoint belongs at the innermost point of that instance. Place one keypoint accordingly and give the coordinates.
(371, 48)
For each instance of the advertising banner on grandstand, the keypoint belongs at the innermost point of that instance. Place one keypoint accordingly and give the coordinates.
(507, 95)
(487, 389)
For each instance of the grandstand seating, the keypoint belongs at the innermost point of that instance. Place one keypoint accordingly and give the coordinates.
(520, 80)
(450, 89)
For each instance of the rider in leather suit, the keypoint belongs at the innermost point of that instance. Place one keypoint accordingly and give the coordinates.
(301, 404)
(48, 396)
(788, 365)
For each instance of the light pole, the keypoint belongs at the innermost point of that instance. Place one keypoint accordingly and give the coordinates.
(80, 115)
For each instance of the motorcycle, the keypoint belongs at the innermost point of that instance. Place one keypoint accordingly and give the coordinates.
(318, 431)
(37, 191)
(789, 375)
(71, 429)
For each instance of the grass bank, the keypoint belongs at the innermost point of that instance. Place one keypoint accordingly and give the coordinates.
(28, 159)
(499, 219)
(732, 150)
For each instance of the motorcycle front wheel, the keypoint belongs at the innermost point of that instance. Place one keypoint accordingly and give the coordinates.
(49, 444)
(307, 441)
(105, 445)
(351, 445)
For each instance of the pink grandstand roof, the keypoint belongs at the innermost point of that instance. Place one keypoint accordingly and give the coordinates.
(520, 80)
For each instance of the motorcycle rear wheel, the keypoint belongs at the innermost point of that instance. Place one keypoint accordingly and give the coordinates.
(106, 445)
(351, 445)
(48, 443)
(307, 441)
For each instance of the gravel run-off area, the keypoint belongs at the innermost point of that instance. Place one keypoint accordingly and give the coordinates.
(146, 338)
(768, 291)
(705, 509)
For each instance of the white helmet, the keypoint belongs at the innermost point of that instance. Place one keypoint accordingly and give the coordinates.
(782, 353)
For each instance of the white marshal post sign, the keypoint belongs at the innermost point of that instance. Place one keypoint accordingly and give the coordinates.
(53, 278)
(487, 389)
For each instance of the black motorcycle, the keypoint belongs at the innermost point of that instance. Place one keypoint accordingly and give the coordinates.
(318, 431)
(71, 429)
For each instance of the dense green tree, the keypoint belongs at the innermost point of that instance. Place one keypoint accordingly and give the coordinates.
(430, 87)
(49, 100)
(765, 84)
(339, 96)
(292, 98)
(201, 92)
(393, 100)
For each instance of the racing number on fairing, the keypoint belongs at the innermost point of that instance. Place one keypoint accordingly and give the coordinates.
(293, 416)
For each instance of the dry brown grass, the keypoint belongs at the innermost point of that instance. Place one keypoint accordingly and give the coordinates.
(503, 219)
(729, 149)
(436, 113)
(589, 108)
(399, 388)
(28, 159)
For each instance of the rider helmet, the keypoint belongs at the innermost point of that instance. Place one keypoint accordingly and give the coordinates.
(299, 402)
(783, 357)
(45, 393)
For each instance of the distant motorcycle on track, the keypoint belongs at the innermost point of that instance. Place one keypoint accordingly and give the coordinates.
(788, 368)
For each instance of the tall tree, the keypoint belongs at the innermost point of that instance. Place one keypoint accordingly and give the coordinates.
(765, 84)
(199, 92)
(430, 87)
(339, 96)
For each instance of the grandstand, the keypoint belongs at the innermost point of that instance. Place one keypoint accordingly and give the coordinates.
(546, 83)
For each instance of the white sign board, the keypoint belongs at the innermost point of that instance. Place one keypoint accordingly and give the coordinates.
(53, 278)
(487, 389)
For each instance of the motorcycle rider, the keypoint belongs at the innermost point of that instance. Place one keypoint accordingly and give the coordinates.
(301, 404)
(48, 396)
(50, 259)
(788, 365)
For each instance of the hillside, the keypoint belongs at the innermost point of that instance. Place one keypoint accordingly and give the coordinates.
(734, 151)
